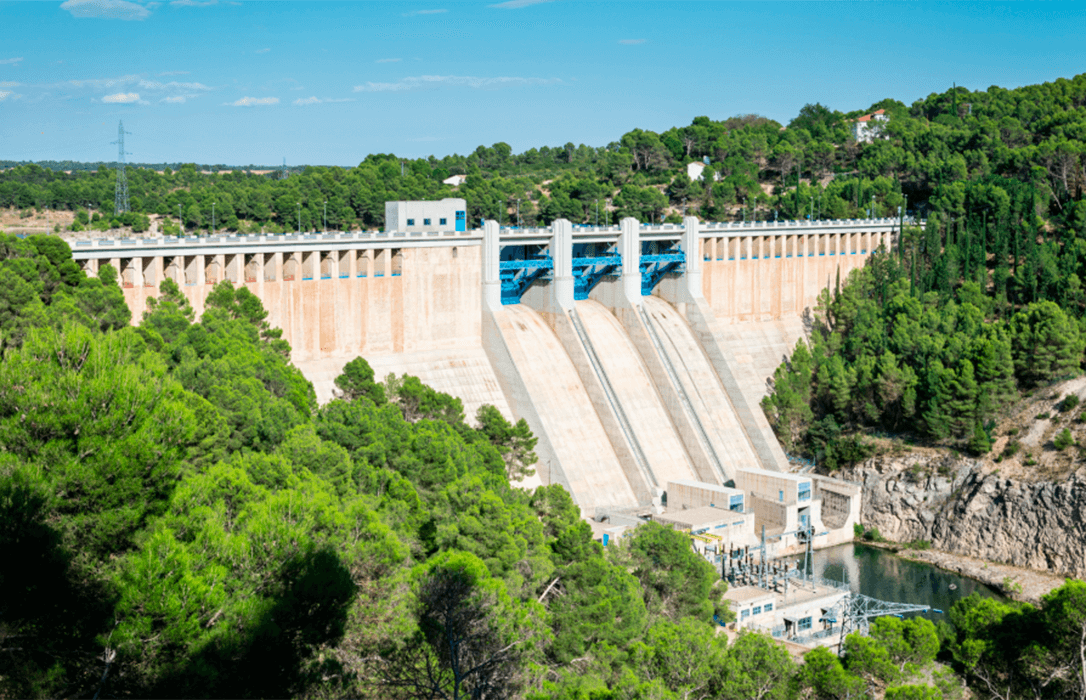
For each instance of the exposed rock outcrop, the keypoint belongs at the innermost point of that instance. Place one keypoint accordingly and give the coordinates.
(963, 509)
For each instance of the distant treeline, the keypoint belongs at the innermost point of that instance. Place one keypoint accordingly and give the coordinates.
(922, 159)
(73, 165)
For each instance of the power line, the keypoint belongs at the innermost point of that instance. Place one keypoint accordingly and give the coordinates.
(120, 196)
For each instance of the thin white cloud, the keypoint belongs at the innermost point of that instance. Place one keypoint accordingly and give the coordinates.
(388, 60)
(424, 12)
(4, 94)
(317, 101)
(173, 86)
(517, 4)
(193, 3)
(253, 102)
(101, 83)
(136, 84)
(430, 81)
(10, 61)
(262, 51)
(173, 72)
(175, 100)
(9, 83)
(123, 98)
(106, 9)
(631, 42)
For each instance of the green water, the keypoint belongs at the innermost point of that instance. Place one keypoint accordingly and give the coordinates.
(879, 574)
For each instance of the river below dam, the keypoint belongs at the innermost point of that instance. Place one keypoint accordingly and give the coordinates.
(880, 574)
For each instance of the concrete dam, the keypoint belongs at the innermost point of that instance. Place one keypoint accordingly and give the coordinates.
(637, 354)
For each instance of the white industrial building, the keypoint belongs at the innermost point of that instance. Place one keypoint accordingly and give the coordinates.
(449, 214)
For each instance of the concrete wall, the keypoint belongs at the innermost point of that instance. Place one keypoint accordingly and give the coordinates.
(335, 306)
(776, 275)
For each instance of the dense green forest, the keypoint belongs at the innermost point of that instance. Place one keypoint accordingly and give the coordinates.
(178, 516)
(184, 520)
(924, 158)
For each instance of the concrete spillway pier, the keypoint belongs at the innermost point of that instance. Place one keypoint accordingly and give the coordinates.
(637, 354)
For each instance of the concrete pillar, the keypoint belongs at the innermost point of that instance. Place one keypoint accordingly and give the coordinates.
(562, 252)
(629, 245)
(201, 270)
(137, 271)
(158, 264)
(277, 266)
(352, 263)
(492, 283)
(692, 277)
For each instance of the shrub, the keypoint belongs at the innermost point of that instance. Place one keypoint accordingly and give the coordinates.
(1064, 439)
(1011, 449)
(857, 530)
(1043, 416)
(873, 535)
(1068, 402)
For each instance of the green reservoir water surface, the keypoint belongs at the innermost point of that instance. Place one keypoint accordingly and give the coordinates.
(879, 574)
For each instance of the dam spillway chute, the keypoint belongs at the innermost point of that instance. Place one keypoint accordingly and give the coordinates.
(543, 387)
(697, 381)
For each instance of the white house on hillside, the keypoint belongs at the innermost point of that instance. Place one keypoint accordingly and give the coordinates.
(694, 171)
(869, 126)
(455, 180)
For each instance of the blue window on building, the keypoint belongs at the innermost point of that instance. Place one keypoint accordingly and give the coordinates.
(443, 222)
(736, 503)
(745, 614)
(804, 624)
(756, 610)
(781, 496)
(461, 220)
(721, 526)
(768, 607)
(425, 222)
(804, 521)
(410, 222)
(805, 491)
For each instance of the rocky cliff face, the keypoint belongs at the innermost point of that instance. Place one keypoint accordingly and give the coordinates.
(965, 510)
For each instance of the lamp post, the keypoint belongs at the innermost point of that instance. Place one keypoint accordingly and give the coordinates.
(326, 216)
(213, 218)
(518, 212)
(299, 218)
(180, 221)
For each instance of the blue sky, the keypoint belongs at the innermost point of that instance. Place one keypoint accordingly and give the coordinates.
(330, 82)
